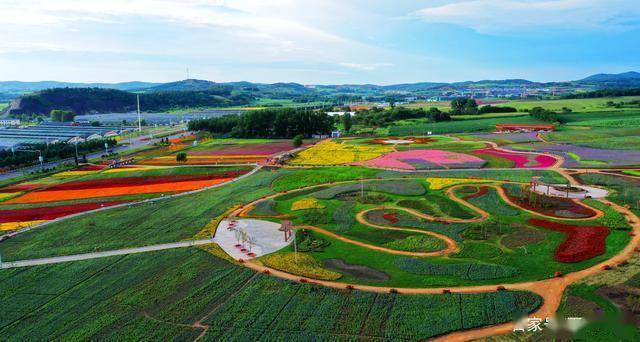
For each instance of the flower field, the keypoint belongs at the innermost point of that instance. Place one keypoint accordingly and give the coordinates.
(441, 183)
(329, 152)
(521, 160)
(547, 205)
(581, 243)
(306, 203)
(425, 160)
(92, 187)
(114, 191)
(212, 153)
(580, 156)
(50, 212)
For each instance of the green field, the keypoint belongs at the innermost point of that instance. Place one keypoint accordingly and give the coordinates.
(160, 295)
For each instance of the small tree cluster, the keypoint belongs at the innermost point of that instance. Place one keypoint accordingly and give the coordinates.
(59, 115)
(464, 106)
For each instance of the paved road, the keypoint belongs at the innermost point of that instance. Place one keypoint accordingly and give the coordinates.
(135, 143)
(87, 256)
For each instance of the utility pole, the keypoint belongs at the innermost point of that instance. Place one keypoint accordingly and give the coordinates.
(76, 150)
(41, 159)
(295, 248)
(139, 119)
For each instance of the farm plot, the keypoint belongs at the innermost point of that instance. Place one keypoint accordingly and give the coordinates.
(24, 205)
(425, 160)
(226, 152)
(503, 138)
(162, 295)
(331, 152)
(137, 224)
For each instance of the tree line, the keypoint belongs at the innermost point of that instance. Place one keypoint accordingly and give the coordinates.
(85, 100)
(604, 93)
(268, 123)
(378, 117)
(28, 154)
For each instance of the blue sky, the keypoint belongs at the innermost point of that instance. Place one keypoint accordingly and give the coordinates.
(317, 42)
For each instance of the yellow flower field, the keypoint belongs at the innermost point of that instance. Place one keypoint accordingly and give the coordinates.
(304, 265)
(4, 196)
(18, 225)
(306, 203)
(334, 153)
(441, 183)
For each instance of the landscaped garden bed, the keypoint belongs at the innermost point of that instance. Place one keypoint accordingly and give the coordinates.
(521, 160)
(547, 205)
(425, 160)
(581, 243)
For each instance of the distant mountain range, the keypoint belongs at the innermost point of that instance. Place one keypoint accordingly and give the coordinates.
(42, 97)
(599, 81)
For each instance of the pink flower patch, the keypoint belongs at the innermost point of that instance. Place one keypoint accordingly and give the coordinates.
(522, 160)
(407, 160)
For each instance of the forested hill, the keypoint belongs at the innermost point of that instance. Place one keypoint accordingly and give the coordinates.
(99, 100)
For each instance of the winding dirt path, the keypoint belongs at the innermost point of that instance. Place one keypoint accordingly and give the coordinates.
(550, 290)
(451, 244)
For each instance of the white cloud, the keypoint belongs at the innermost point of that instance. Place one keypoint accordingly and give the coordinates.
(365, 66)
(496, 16)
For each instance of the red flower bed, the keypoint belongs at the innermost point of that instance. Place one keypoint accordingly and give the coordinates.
(481, 192)
(556, 207)
(391, 217)
(522, 160)
(125, 181)
(248, 149)
(581, 243)
(50, 213)
(20, 187)
(90, 167)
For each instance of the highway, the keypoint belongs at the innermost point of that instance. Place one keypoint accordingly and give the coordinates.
(136, 142)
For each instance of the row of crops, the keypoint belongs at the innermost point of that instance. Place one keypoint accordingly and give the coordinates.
(160, 295)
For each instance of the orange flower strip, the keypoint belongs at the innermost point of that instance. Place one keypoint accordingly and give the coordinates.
(65, 195)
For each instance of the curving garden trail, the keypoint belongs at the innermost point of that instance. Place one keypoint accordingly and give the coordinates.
(550, 290)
